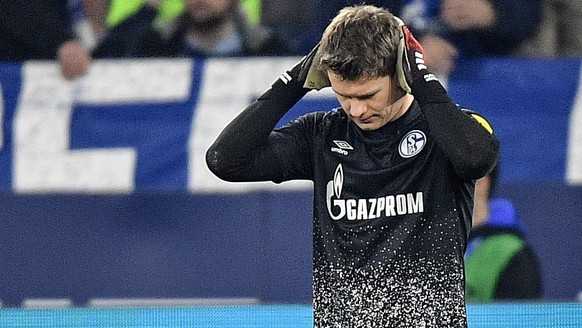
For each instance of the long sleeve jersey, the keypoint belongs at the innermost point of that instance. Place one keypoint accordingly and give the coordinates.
(392, 207)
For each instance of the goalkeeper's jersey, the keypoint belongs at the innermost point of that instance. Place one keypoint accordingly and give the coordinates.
(390, 225)
(392, 207)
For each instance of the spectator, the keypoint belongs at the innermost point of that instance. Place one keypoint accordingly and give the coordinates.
(297, 21)
(449, 29)
(499, 263)
(119, 10)
(560, 31)
(113, 12)
(302, 21)
(42, 30)
(216, 28)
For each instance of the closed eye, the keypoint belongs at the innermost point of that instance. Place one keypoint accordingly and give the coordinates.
(365, 97)
(361, 97)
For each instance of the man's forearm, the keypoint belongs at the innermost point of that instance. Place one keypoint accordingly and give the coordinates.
(471, 148)
(242, 147)
(241, 152)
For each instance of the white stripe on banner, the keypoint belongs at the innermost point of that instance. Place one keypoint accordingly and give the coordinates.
(145, 80)
(574, 160)
(43, 160)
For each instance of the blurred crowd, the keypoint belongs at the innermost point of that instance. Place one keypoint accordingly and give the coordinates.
(75, 32)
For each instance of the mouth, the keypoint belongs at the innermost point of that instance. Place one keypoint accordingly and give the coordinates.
(367, 120)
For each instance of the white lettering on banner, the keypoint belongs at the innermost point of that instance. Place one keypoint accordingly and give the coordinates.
(43, 161)
(228, 87)
(574, 157)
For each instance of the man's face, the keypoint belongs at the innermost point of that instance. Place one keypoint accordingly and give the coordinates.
(205, 12)
(368, 101)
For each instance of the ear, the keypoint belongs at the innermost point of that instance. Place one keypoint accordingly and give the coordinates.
(402, 64)
(316, 78)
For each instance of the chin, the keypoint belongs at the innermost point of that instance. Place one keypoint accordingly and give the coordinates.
(367, 127)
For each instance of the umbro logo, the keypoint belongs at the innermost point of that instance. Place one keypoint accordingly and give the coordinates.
(343, 144)
(342, 147)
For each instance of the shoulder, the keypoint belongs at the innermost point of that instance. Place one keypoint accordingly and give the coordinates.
(333, 116)
(479, 118)
(314, 123)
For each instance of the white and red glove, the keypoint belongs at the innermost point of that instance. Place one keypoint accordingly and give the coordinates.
(411, 67)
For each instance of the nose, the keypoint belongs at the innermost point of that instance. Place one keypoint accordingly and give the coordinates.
(357, 108)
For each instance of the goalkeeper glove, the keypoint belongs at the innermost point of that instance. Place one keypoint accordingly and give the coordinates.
(411, 68)
(315, 77)
(289, 87)
(304, 73)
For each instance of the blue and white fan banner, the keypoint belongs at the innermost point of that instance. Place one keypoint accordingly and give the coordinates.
(132, 125)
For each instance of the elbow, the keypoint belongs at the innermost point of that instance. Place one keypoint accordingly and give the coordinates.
(219, 165)
(481, 162)
(214, 162)
(483, 167)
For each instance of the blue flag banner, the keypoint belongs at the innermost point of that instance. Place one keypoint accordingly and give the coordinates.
(145, 125)
(535, 107)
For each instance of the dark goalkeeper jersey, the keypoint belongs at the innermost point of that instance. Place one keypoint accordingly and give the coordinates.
(390, 220)
(392, 207)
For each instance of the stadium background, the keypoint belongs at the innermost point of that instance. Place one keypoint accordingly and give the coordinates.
(105, 194)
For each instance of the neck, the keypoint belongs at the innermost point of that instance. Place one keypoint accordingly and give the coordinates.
(208, 39)
(401, 105)
(480, 212)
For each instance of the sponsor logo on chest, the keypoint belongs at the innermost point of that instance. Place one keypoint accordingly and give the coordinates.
(368, 208)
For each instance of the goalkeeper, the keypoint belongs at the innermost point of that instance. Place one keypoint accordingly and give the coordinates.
(393, 171)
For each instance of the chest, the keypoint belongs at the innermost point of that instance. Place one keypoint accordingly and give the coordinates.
(398, 161)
